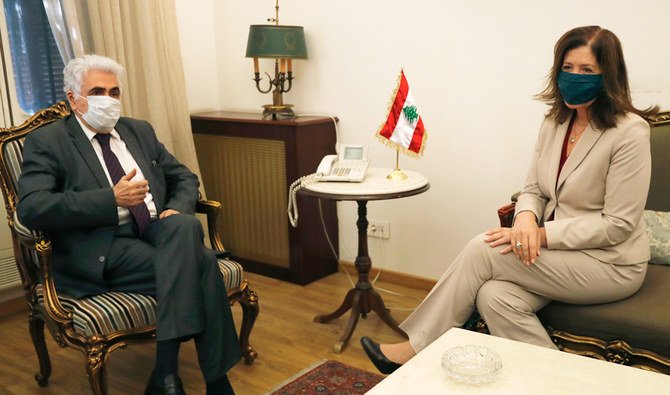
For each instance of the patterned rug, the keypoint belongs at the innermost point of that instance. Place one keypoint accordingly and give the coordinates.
(332, 378)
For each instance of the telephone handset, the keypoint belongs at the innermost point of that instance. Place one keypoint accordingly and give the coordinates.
(326, 164)
(349, 166)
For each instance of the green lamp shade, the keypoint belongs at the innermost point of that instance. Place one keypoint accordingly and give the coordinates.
(276, 41)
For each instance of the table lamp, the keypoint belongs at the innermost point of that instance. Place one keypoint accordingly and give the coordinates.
(282, 43)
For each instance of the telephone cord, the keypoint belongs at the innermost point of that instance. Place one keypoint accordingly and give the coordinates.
(332, 117)
(292, 199)
(346, 272)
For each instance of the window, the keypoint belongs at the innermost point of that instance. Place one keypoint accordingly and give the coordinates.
(38, 67)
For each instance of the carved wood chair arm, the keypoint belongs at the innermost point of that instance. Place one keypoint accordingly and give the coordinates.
(41, 247)
(506, 212)
(24, 239)
(51, 302)
(211, 209)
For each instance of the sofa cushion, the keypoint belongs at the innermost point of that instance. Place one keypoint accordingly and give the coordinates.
(642, 320)
(658, 229)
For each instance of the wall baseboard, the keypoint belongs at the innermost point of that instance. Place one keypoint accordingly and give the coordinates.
(17, 304)
(12, 306)
(12, 300)
(393, 277)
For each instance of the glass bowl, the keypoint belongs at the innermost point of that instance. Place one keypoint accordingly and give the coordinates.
(471, 364)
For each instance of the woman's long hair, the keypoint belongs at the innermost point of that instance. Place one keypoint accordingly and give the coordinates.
(615, 99)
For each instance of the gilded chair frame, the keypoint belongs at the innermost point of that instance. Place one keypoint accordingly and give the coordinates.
(58, 319)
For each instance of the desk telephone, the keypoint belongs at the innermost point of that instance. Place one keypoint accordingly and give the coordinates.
(349, 166)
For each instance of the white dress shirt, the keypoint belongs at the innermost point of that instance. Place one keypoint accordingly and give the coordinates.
(128, 163)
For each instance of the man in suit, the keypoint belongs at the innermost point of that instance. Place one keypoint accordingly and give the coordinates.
(120, 209)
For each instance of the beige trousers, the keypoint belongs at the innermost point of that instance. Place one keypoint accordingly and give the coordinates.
(508, 293)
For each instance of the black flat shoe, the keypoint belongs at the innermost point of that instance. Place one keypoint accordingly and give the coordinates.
(169, 385)
(383, 364)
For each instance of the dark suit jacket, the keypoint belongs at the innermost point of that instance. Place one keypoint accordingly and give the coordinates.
(63, 189)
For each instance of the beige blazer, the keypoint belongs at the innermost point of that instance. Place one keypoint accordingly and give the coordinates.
(600, 194)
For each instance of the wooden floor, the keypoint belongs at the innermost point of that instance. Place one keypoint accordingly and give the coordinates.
(286, 338)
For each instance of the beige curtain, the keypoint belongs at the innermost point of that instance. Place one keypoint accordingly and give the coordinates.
(142, 36)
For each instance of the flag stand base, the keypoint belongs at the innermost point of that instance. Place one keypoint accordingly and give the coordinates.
(397, 174)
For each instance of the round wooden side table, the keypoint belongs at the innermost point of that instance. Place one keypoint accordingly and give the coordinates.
(363, 298)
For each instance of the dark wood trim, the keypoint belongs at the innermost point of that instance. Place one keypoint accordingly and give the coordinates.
(393, 277)
(13, 306)
(381, 196)
(255, 118)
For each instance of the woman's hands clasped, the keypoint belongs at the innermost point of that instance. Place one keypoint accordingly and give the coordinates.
(524, 239)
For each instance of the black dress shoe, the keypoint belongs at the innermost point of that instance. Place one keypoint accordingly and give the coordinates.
(383, 364)
(169, 385)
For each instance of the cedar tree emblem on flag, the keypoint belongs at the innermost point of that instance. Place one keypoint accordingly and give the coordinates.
(403, 128)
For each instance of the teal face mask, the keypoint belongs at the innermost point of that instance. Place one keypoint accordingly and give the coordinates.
(579, 88)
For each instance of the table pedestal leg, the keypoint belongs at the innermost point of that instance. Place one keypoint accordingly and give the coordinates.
(363, 298)
(384, 313)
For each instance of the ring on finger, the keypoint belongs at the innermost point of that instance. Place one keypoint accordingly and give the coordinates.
(518, 244)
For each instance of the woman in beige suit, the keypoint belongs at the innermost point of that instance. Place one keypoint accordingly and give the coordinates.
(578, 234)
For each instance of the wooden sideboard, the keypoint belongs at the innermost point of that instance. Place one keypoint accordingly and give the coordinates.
(247, 164)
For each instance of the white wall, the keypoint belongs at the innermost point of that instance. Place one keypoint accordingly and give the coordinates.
(197, 39)
(473, 68)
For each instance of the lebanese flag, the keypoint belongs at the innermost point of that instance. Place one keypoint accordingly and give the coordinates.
(403, 127)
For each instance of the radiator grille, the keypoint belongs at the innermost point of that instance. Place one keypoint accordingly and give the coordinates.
(248, 176)
(9, 274)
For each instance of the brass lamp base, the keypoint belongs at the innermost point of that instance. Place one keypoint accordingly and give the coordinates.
(397, 174)
(283, 111)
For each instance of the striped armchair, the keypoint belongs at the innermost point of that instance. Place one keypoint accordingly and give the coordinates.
(96, 325)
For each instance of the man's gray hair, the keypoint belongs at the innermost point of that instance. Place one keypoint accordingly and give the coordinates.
(77, 68)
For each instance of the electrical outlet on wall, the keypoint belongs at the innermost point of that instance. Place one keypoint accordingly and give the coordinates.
(381, 229)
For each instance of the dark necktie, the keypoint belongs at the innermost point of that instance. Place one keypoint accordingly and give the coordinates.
(140, 212)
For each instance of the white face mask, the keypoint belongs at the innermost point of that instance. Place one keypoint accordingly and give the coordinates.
(103, 112)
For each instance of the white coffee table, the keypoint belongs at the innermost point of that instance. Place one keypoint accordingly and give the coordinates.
(526, 369)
